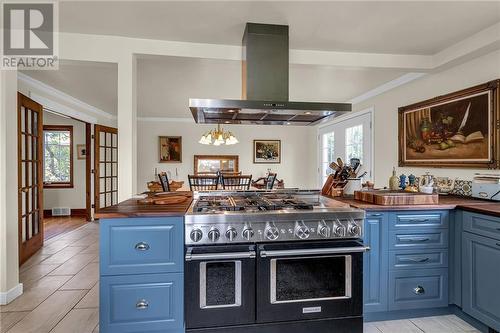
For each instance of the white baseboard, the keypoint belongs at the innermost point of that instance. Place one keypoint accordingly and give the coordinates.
(9, 296)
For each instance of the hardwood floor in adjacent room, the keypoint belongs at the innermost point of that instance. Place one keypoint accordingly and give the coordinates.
(53, 226)
(61, 293)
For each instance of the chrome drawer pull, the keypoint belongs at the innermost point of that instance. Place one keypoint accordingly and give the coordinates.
(419, 290)
(418, 220)
(422, 260)
(374, 215)
(304, 252)
(142, 304)
(220, 256)
(415, 239)
(142, 246)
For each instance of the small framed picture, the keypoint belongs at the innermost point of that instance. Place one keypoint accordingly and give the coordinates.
(82, 151)
(170, 149)
(267, 151)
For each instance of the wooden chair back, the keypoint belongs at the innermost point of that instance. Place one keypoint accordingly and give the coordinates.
(240, 182)
(164, 181)
(203, 182)
(271, 178)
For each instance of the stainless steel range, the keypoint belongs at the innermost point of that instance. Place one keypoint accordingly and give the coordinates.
(263, 216)
(273, 261)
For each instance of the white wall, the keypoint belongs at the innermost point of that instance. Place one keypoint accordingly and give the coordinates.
(297, 168)
(68, 197)
(474, 72)
(9, 262)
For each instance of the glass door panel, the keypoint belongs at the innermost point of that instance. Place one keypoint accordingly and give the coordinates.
(106, 166)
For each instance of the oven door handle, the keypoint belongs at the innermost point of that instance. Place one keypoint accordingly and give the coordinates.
(220, 256)
(306, 252)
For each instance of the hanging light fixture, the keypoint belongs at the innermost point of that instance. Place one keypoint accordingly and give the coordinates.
(218, 137)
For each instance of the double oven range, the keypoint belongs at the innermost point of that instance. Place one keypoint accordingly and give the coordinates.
(272, 261)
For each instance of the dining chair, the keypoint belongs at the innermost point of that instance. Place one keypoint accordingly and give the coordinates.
(203, 182)
(239, 182)
(164, 181)
(271, 178)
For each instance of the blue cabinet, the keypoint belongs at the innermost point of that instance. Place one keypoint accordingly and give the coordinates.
(481, 268)
(375, 270)
(141, 275)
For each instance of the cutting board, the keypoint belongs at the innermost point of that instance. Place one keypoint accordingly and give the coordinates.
(396, 198)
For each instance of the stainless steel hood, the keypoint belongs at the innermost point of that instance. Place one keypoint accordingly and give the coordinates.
(265, 68)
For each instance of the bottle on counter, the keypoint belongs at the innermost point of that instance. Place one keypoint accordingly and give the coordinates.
(394, 181)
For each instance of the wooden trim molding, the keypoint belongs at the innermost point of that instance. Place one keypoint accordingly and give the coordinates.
(69, 184)
(75, 212)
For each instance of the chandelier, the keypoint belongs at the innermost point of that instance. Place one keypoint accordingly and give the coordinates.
(218, 137)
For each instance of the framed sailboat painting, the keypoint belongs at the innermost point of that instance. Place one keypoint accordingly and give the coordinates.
(461, 129)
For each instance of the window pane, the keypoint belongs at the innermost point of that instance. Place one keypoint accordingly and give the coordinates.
(354, 142)
(57, 159)
(328, 151)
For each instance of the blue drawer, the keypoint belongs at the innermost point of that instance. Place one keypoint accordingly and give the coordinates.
(142, 303)
(426, 288)
(483, 225)
(138, 246)
(429, 219)
(418, 239)
(417, 259)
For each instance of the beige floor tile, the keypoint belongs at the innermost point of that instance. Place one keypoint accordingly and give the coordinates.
(78, 321)
(36, 294)
(49, 313)
(92, 248)
(9, 319)
(397, 326)
(91, 299)
(55, 247)
(35, 273)
(74, 264)
(96, 329)
(443, 324)
(34, 260)
(370, 328)
(85, 279)
(64, 255)
(87, 240)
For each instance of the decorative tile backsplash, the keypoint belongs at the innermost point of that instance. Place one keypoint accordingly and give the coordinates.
(462, 187)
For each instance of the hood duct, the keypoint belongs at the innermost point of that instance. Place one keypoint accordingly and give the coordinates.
(265, 68)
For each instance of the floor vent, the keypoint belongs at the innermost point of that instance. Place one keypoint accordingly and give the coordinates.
(61, 211)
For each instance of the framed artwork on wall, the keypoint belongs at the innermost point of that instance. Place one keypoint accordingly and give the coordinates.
(267, 151)
(170, 149)
(454, 130)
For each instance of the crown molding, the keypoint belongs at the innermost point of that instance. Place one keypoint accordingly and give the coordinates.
(64, 110)
(166, 119)
(57, 94)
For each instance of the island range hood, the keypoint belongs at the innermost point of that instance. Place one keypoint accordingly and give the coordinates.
(264, 100)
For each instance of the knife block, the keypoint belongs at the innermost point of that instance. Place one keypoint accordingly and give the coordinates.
(333, 187)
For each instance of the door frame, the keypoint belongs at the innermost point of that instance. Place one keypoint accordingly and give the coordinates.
(371, 112)
(96, 155)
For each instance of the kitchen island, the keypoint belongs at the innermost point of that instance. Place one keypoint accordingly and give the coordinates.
(424, 260)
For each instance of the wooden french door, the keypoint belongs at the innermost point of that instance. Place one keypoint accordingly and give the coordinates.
(30, 176)
(105, 166)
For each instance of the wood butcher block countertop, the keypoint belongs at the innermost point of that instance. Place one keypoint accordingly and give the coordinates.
(133, 208)
(445, 202)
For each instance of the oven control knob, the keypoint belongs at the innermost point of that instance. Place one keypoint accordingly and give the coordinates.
(214, 235)
(338, 229)
(248, 233)
(271, 232)
(323, 229)
(196, 235)
(354, 229)
(301, 230)
(231, 233)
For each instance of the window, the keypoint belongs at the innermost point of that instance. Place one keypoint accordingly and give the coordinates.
(350, 137)
(58, 156)
(354, 142)
(328, 154)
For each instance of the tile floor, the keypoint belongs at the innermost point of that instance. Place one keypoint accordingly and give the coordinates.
(61, 293)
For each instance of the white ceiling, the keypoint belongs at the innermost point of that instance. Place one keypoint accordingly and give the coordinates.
(420, 27)
(165, 84)
(94, 83)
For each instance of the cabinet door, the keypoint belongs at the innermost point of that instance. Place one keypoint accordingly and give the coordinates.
(375, 266)
(480, 279)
